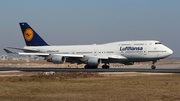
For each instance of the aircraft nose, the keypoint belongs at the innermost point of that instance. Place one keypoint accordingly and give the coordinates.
(170, 51)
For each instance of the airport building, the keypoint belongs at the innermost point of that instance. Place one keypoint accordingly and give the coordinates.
(4, 57)
(19, 57)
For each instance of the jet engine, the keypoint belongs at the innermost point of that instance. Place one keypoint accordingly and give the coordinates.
(93, 61)
(57, 59)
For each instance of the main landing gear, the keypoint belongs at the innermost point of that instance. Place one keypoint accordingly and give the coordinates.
(153, 65)
(105, 66)
(90, 67)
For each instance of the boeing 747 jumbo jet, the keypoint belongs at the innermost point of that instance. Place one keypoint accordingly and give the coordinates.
(125, 52)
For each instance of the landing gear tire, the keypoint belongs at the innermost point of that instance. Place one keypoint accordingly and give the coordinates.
(90, 67)
(153, 67)
(153, 64)
(105, 67)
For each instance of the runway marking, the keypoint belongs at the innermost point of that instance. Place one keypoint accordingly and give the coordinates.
(132, 73)
(9, 71)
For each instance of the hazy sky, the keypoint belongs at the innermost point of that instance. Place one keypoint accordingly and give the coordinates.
(66, 22)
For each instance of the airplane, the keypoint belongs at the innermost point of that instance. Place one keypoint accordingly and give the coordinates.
(125, 52)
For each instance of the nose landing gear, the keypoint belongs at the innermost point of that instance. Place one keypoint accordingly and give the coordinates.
(153, 65)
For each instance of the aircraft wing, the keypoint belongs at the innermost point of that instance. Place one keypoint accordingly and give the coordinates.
(44, 54)
(47, 54)
(38, 54)
(72, 57)
(120, 57)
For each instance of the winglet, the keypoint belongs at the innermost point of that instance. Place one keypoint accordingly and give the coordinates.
(30, 36)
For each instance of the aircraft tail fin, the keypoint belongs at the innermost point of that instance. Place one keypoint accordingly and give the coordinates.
(30, 36)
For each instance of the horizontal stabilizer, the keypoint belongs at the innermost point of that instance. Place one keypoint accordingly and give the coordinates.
(28, 50)
(8, 51)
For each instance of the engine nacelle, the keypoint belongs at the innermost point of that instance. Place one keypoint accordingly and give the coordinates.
(93, 61)
(129, 63)
(57, 59)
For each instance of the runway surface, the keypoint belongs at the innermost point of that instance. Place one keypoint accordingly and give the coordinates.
(167, 68)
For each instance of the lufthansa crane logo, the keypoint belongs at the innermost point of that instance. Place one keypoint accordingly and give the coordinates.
(28, 34)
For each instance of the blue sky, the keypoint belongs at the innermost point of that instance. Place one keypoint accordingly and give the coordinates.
(67, 22)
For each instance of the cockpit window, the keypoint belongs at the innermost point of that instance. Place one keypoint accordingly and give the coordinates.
(157, 43)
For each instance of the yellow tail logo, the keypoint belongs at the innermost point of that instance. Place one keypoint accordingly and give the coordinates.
(28, 34)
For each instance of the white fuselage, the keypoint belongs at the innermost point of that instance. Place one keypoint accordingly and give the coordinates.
(134, 51)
